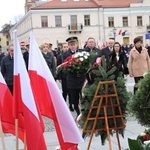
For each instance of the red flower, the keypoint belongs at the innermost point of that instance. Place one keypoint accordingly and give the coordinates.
(79, 62)
(145, 137)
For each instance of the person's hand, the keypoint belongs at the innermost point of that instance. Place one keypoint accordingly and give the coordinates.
(60, 81)
(131, 75)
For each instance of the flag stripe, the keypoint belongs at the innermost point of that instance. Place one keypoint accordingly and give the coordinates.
(6, 111)
(27, 96)
(52, 103)
(23, 94)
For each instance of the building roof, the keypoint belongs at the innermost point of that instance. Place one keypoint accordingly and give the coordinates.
(69, 4)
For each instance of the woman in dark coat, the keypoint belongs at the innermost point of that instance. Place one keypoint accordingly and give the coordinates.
(49, 58)
(118, 59)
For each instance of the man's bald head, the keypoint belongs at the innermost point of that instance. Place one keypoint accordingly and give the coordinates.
(110, 43)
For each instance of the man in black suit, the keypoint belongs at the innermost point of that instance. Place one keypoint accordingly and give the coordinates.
(107, 50)
(74, 80)
(26, 56)
(7, 65)
(61, 76)
(90, 47)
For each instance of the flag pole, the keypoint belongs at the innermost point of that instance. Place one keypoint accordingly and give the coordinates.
(16, 130)
(25, 143)
(2, 136)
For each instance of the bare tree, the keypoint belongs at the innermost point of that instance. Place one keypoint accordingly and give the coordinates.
(16, 19)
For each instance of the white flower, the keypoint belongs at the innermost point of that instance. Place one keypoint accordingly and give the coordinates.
(80, 54)
(84, 52)
(76, 55)
(86, 57)
(142, 134)
(81, 59)
(146, 142)
(87, 54)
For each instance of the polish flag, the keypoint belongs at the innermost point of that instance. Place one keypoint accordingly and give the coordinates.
(50, 100)
(24, 99)
(6, 110)
(120, 31)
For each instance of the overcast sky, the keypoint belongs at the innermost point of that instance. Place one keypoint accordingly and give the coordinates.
(10, 10)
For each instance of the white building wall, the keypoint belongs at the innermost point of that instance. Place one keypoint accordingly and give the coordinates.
(98, 29)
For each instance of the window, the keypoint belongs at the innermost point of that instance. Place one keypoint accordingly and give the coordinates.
(7, 36)
(7, 43)
(139, 21)
(58, 22)
(125, 21)
(44, 21)
(87, 20)
(111, 21)
(73, 22)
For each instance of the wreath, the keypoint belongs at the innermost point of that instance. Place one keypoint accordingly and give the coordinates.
(94, 75)
(139, 106)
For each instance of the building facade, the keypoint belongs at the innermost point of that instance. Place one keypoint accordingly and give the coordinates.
(56, 20)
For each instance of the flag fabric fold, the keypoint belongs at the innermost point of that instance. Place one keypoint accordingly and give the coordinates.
(124, 33)
(50, 100)
(23, 98)
(120, 31)
(6, 110)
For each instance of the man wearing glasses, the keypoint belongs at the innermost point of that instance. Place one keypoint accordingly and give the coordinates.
(7, 65)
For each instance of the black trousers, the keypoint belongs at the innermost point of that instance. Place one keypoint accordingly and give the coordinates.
(65, 90)
(75, 95)
(136, 80)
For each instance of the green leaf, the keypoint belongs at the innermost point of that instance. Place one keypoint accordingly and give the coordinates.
(133, 144)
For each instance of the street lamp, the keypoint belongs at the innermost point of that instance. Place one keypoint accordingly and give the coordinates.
(114, 32)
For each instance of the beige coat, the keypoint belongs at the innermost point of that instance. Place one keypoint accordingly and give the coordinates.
(138, 63)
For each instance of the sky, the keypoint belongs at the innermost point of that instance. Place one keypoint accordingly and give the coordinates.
(11, 10)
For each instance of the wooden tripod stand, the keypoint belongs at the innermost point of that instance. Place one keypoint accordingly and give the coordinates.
(107, 107)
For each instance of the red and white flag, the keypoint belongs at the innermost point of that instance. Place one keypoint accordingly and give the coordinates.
(50, 100)
(6, 111)
(24, 99)
(120, 31)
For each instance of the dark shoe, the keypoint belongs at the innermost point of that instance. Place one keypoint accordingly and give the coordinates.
(71, 108)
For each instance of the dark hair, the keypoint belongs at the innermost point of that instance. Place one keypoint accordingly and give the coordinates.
(137, 39)
(118, 44)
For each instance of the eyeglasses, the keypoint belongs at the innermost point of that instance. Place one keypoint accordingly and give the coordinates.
(116, 46)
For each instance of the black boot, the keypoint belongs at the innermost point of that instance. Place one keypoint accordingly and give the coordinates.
(135, 88)
(71, 108)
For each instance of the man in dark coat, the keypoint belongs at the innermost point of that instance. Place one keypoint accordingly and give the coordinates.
(74, 80)
(90, 47)
(7, 65)
(62, 76)
(108, 50)
(26, 56)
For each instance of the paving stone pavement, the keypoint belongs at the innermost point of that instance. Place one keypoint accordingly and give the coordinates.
(132, 130)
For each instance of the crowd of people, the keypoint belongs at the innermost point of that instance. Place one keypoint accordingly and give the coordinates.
(131, 60)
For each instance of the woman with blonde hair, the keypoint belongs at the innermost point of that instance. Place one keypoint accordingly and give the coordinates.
(49, 58)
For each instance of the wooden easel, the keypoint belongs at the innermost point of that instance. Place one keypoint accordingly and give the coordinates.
(106, 103)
